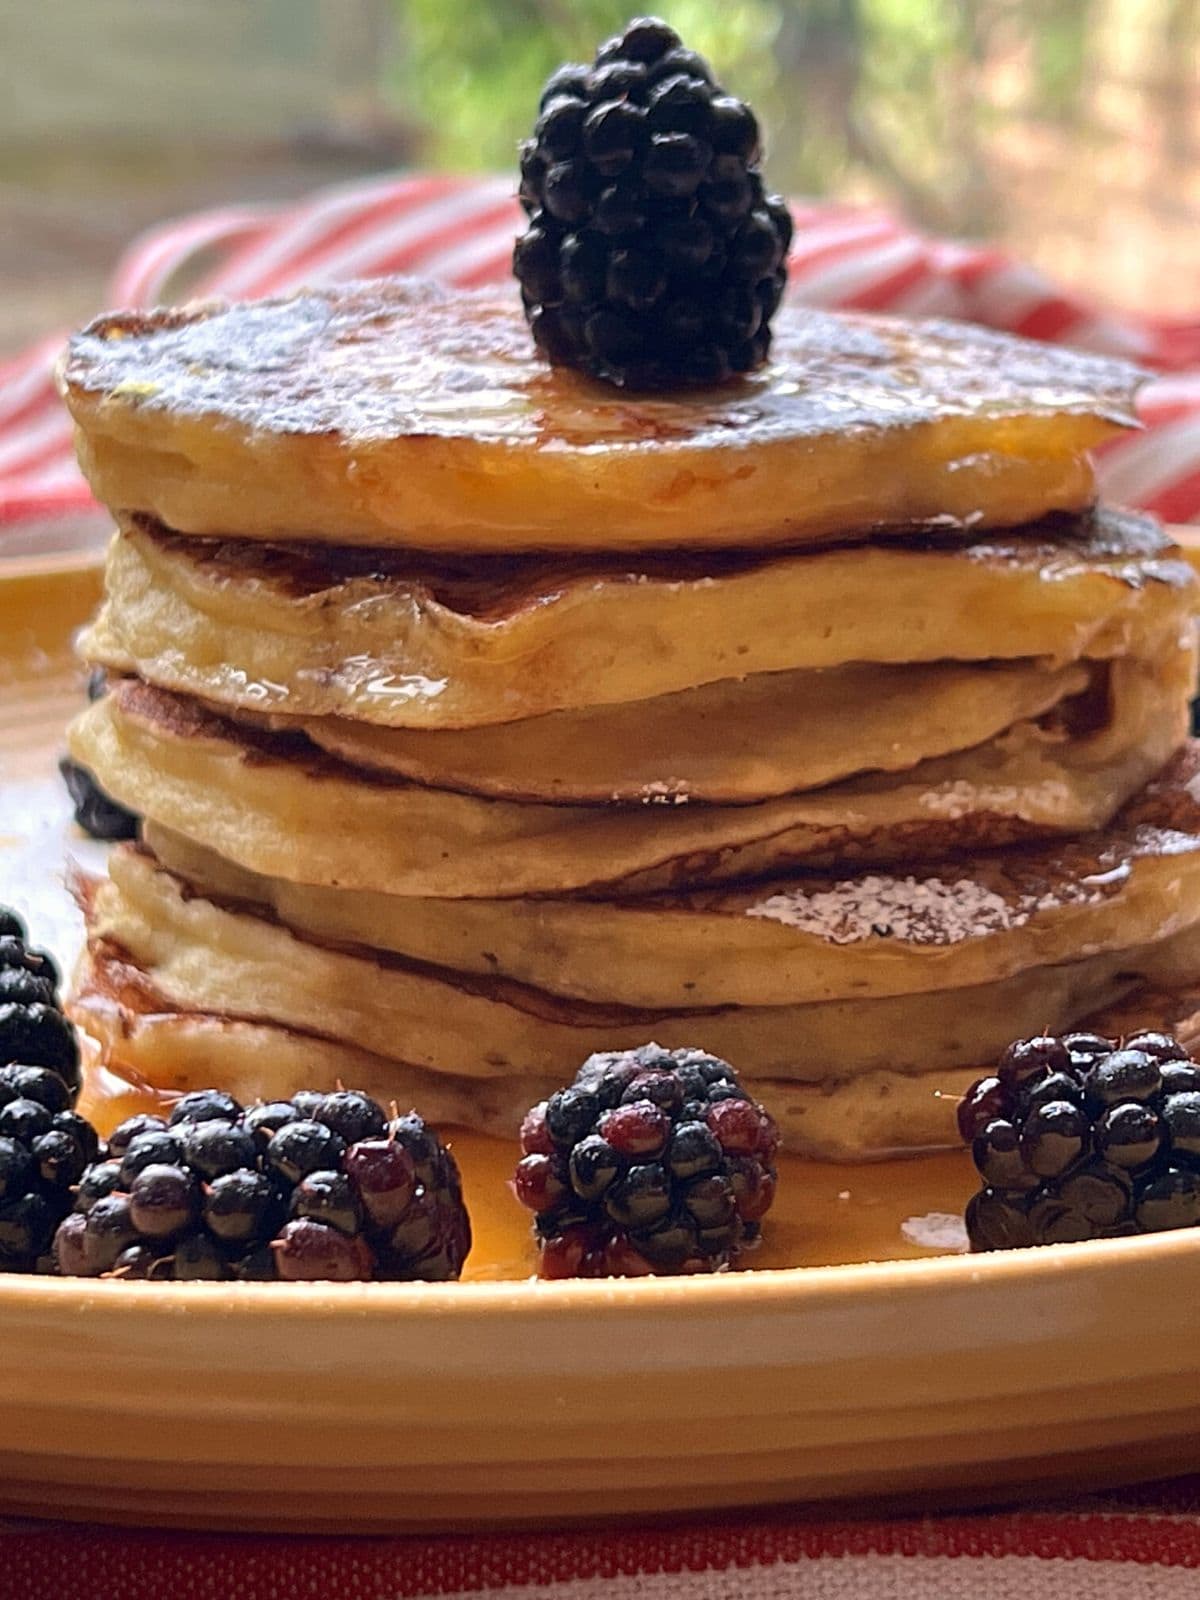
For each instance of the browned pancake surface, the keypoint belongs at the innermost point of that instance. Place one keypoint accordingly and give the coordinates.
(491, 588)
(400, 357)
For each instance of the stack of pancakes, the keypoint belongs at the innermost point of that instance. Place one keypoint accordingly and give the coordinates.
(481, 718)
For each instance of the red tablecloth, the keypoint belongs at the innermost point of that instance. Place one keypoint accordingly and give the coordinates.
(462, 230)
(1139, 1543)
(1136, 1546)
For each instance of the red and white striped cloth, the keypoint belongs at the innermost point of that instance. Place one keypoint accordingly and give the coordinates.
(1102, 1549)
(1137, 1545)
(461, 230)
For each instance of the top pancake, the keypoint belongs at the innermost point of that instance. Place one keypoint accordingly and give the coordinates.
(398, 413)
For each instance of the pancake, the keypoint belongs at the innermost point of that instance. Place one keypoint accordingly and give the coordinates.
(401, 641)
(203, 956)
(275, 805)
(876, 1115)
(399, 413)
(925, 929)
(732, 743)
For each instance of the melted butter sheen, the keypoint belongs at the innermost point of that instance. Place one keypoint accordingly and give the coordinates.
(402, 357)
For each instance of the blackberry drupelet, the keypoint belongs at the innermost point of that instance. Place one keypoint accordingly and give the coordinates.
(652, 1161)
(1082, 1137)
(319, 1187)
(654, 256)
(96, 812)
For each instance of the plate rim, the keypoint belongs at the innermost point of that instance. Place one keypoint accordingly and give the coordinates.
(773, 1289)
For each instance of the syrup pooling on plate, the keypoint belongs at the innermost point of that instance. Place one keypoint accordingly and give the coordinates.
(824, 1214)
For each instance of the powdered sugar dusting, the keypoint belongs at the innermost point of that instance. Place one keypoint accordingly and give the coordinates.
(936, 1230)
(1000, 895)
(672, 792)
(913, 910)
(952, 801)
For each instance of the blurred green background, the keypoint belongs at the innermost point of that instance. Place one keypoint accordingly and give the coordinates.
(1066, 130)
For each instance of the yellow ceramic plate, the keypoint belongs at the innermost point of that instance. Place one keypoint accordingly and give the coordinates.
(920, 1376)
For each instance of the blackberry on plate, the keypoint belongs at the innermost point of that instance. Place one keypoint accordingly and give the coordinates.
(45, 1147)
(318, 1187)
(652, 1161)
(33, 1030)
(1082, 1137)
(654, 256)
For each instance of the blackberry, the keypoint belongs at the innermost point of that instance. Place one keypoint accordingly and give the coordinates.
(33, 1030)
(652, 1161)
(96, 812)
(322, 1186)
(654, 257)
(1082, 1137)
(44, 1146)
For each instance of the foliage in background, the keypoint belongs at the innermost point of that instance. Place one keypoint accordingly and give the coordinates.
(475, 69)
(886, 90)
(1069, 130)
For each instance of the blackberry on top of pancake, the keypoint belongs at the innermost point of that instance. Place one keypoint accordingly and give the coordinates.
(654, 256)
